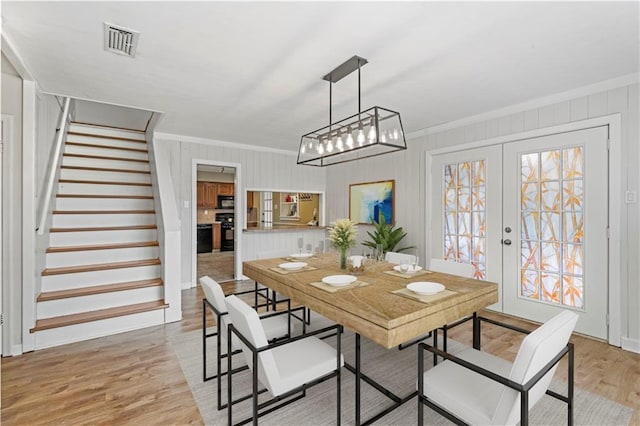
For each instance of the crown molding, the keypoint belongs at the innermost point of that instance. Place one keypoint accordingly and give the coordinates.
(221, 144)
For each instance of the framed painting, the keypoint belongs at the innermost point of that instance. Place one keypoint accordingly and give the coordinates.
(369, 200)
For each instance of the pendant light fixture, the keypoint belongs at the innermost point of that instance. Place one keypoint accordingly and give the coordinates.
(368, 133)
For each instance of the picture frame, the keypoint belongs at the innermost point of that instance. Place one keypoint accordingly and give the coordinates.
(369, 199)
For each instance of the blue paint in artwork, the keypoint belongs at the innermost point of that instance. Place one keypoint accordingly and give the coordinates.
(381, 207)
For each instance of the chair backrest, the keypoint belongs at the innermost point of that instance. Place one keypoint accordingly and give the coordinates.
(398, 258)
(452, 267)
(247, 322)
(213, 293)
(536, 350)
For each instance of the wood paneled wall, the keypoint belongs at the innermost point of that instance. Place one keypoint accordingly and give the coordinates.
(408, 169)
(260, 169)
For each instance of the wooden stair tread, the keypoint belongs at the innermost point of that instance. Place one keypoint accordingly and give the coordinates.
(103, 157)
(104, 228)
(104, 169)
(138, 197)
(98, 289)
(104, 212)
(66, 320)
(97, 182)
(106, 126)
(64, 249)
(93, 145)
(119, 138)
(100, 267)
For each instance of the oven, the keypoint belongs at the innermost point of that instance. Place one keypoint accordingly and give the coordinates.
(227, 230)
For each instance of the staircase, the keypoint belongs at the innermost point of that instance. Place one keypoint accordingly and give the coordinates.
(102, 273)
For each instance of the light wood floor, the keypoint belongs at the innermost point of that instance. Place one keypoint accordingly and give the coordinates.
(134, 378)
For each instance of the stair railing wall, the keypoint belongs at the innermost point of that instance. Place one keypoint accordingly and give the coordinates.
(168, 225)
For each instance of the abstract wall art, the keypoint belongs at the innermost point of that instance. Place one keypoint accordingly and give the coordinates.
(369, 200)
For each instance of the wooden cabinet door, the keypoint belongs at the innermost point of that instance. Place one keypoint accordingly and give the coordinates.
(225, 189)
(201, 196)
(211, 195)
(216, 236)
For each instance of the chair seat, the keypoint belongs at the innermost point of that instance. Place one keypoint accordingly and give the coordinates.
(471, 396)
(303, 361)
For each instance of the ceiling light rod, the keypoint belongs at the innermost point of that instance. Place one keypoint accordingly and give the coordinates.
(378, 132)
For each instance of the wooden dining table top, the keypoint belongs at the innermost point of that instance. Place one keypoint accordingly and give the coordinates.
(373, 310)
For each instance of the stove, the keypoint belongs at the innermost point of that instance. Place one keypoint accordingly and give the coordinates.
(226, 231)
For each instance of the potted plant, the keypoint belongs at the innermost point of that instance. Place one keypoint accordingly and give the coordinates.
(342, 237)
(385, 235)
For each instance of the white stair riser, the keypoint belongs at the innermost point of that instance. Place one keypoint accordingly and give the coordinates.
(91, 257)
(84, 279)
(105, 176)
(105, 152)
(94, 302)
(90, 330)
(109, 164)
(81, 238)
(103, 204)
(106, 131)
(100, 189)
(85, 220)
(106, 142)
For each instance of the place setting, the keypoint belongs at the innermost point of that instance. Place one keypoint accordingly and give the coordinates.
(424, 291)
(336, 283)
(292, 268)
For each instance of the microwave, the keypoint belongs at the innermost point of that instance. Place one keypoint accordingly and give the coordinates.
(225, 201)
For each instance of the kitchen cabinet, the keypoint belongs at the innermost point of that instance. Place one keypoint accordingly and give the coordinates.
(225, 188)
(289, 206)
(207, 195)
(216, 235)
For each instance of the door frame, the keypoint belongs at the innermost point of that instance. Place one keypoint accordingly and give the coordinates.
(237, 209)
(617, 216)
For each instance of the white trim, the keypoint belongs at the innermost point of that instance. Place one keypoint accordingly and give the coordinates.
(14, 57)
(601, 86)
(149, 110)
(614, 121)
(222, 144)
(629, 344)
(238, 208)
(322, 206)
(29, 116)
(8, 144)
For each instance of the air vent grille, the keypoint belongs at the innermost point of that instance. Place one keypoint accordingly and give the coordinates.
(120, 40)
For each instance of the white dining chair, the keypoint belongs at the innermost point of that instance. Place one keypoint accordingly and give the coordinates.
(286, 368)
(399, 258)
(276, 325)
(478, 388)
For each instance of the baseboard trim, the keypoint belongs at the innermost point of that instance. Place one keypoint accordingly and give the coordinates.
(632, 345)
(186, 285)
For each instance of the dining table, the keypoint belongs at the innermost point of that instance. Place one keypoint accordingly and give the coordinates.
(377, 305)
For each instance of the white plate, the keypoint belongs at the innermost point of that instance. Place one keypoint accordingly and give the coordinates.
(425, 287)
(292, 266)
(301, 255)
(409, 271)
(339, 280)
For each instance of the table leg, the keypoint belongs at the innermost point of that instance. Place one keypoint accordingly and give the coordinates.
(476, 331)
(357, 378)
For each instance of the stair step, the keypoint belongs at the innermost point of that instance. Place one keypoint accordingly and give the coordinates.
(102, 157)
(99, 267)
(96, 182)
(98, 289)
(92, 135)
(64, 249)
(137, 197)
(106, 126)
(104, 212)
(66, 320)
(104, 169)
(92, 145)
(104, 228)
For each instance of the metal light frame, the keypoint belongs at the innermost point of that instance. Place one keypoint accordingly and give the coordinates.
(368, 133)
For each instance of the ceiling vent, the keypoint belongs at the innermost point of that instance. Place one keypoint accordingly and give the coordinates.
(120, 40)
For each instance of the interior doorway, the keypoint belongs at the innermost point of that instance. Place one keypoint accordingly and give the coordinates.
(215, 221)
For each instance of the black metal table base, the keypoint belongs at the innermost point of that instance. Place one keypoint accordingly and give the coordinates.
(397, 401)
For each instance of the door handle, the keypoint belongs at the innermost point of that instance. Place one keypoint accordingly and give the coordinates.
(506, 242)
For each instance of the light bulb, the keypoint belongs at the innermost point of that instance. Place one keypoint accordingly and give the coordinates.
(350, 140)
(303, 149)
(383, 137)
(320, 148)
(329, 145)
(395, 134)
(339, 143)
(360, 138)
(372, 134)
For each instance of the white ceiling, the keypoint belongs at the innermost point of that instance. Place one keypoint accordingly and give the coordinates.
(250, 72)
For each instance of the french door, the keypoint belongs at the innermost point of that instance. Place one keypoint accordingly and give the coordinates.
(545, 223)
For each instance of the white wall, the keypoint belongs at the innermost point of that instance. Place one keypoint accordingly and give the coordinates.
(259, 169)
(408, 169)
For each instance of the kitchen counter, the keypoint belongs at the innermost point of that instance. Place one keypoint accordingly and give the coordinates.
(283, 228)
